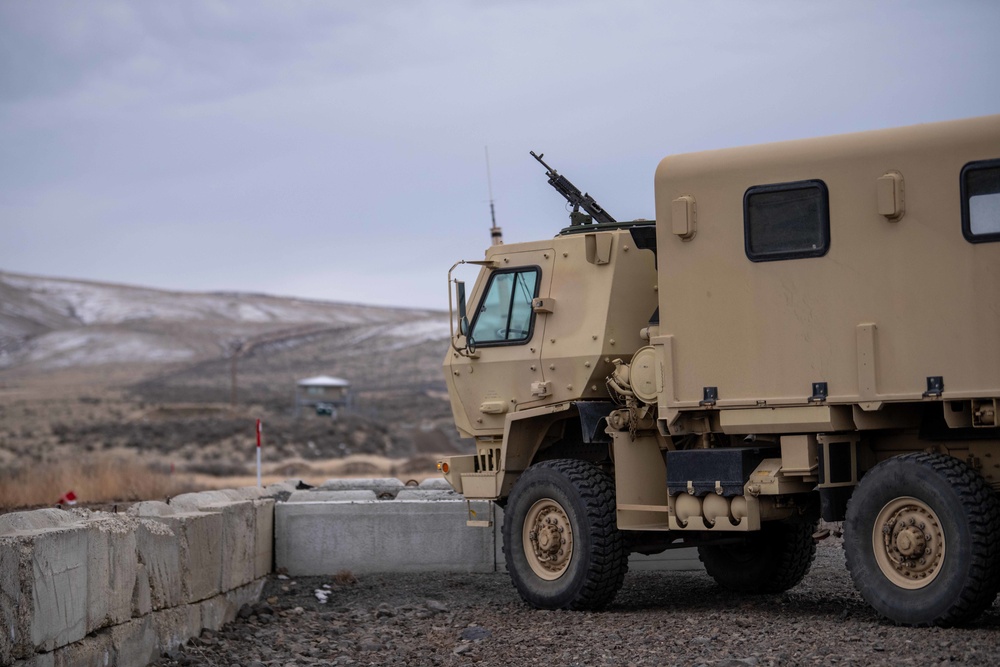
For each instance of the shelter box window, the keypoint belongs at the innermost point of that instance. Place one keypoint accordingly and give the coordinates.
(505, 316)
(786, 221)
(981, 201)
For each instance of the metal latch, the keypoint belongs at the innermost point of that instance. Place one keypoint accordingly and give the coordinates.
(541, 305)
(541, 389)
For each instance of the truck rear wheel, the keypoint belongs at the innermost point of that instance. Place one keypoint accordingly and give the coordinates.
(922, 540)
(561, 541)
(771, 560)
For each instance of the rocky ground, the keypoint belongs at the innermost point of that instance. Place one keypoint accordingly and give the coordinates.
(669, 618)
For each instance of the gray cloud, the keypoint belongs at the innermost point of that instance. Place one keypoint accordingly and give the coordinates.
(335, 150)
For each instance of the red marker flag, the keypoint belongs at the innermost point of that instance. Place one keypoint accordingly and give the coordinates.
(259, 429)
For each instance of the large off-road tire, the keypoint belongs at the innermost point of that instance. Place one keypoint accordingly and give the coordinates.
(922, 540)
(771, 560)
(561, 541)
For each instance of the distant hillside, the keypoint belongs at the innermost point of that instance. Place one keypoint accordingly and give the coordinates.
(48, 324)
(94, 367)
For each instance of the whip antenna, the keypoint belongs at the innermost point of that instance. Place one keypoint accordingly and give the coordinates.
(495, 232)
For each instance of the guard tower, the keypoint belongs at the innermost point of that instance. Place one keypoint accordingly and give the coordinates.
(322, 393)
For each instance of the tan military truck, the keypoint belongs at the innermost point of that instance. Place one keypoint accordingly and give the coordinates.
(809, 330)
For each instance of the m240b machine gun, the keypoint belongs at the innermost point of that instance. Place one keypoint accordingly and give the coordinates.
(576, 198)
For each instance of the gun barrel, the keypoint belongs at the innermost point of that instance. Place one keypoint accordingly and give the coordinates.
(572, 194)
(539, 156)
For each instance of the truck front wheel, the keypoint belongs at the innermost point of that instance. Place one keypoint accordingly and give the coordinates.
(561, 541)
(922, 540)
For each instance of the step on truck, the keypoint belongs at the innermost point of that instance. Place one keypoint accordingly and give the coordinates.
(809, 330)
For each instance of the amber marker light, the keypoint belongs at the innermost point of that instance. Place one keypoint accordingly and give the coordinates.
(443, 467)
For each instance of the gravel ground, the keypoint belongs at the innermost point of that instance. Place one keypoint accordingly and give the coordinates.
(668, 618)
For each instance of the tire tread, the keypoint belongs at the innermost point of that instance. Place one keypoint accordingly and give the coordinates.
(983, 516)
(608, 559)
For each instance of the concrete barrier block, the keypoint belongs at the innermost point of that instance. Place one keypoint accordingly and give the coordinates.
(159, 553)
(201, 553)
(263, 560)
(35, 520)
(222, 608)
(135, 642)
(142, 602)
(435, 484)
(93, 651)
(428, 494)
(279, 489)
(381, 536)
(379, 485)
(15, 610)
(58, 587)
(175, 626)
(193, 502)
(151, 508)
(38, 660)
(238, 543)
(326, 495)
(112, 560)
(245, 493)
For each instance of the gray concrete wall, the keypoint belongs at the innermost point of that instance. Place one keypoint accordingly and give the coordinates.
(379, 525)
(78, 587)
(85, 588)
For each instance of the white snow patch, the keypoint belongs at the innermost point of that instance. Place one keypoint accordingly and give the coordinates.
(81, 347)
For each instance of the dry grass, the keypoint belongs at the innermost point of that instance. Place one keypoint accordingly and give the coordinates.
(95, 479)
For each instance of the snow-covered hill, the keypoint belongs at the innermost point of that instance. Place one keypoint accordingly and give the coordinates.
(49, 323)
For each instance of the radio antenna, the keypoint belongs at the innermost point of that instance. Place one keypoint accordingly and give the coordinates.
(495, 232)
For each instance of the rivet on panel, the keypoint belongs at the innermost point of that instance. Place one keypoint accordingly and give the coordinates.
(565, 254)
(612, 341)
(552, 367)
(586, 364)
(569, 387)
(594, 337)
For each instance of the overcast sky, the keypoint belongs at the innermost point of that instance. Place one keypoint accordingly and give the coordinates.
(335, 150)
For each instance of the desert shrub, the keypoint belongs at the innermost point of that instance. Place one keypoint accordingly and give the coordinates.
(94, 479)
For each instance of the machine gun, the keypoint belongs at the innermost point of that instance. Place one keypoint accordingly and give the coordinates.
(576, 198)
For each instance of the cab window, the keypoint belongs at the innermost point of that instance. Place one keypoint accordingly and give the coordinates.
(505, 316)
(981, 201)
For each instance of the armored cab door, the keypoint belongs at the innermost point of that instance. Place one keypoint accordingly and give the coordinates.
(505, 371)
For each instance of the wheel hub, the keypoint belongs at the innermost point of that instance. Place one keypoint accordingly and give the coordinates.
(908, 542)
(547, 539)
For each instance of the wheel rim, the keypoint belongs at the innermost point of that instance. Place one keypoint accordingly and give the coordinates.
(548, 539)
(908, 542)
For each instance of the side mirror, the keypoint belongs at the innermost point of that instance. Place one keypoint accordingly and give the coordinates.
(463, 316)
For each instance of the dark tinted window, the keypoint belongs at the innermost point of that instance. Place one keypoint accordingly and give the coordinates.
(505, 316)
(981, 201)
(786, 221)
